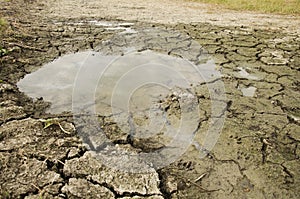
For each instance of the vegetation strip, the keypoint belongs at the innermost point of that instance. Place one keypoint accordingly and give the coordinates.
(291, 7)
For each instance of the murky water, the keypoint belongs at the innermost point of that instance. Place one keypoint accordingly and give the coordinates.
(130, 77)
(121, 67)
(245, 74)
(145, 75)
(124, 27)
(249, 91)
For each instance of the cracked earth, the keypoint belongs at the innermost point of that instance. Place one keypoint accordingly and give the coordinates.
(257, 153)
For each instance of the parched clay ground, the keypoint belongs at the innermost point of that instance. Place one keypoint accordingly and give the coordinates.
(257, 154)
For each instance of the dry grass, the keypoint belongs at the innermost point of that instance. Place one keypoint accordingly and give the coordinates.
(290, 7)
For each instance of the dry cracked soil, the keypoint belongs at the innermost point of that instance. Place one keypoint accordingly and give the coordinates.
(257, 153)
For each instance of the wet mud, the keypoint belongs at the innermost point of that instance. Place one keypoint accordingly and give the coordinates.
(256, 155)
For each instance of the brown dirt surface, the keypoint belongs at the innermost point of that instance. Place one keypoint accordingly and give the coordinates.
(257, 153)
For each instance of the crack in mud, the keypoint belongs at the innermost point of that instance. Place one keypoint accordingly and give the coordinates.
(257, 154)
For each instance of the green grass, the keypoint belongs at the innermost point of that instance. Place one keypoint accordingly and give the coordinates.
(3, 25)
(291, 7)
(3, 51)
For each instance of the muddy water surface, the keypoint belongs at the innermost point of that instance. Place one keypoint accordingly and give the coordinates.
(132, 86)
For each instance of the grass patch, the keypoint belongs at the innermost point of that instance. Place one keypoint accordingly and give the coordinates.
(3, 51)
(3, 26)
(291, 7)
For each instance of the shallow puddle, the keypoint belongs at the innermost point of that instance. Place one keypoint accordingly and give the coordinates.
(121, 66)
(100, 77)
(243, 73)
(124, 27)
(129, 77)
(249, 92)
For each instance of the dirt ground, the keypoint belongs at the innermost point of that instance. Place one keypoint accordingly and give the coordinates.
(257, 154)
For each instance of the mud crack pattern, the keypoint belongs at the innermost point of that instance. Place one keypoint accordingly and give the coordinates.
(257, 155)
